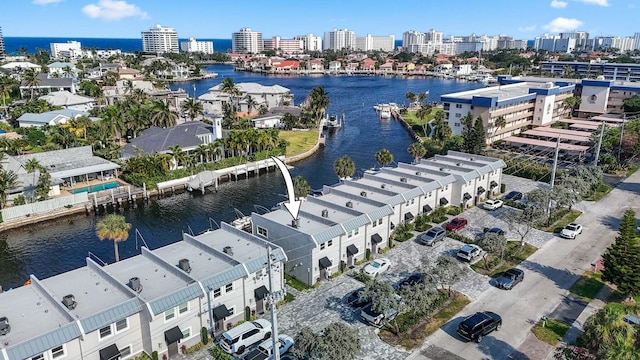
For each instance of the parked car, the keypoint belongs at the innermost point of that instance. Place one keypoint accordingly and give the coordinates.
(356, 299)
(492, 204)
(264, 351)
(571, 231)
(432, 236)
(411, 280)
(478, 325)
(368, 315)
(510, 278)
(469, 252)
(513, 195)
(495, 230)
(456, 224)
(376, 267)
(245, 335)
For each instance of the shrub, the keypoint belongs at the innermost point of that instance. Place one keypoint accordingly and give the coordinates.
(362, 277)
(422, 223)
(514, 204)
(219, 354)
(454, 210)
(460, 237)
(503, 187)
(154, 355)
(204, 335)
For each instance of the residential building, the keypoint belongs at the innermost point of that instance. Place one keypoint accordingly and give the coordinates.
(605, 96)
(273, 118)
(339, 39)
(269, 96)
(284, 46)
(636, 41)
(370, 43)
(152, 302)
(68, 50)
(520, 103)
(62, 69)
(246, 41)
(160, 40)
(413, 37)
(353, 220)
(51, 118)
(433, 36)
(593, 69)
(192, 45)
(614, 42)
(67, 100)
(3, 50)
(47, 83)
(310, 42)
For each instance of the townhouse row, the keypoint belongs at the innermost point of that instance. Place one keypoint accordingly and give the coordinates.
(354, 219)
(156, 301)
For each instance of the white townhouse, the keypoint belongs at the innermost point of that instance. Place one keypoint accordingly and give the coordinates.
(270, 96)
(156, 301)
(354, 219)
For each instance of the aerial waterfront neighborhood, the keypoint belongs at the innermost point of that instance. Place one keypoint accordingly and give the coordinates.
(338, 196)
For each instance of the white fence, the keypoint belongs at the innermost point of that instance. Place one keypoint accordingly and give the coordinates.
(41, 207)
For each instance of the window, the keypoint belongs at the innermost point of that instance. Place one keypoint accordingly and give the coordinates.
(57, 352)
(380, 221)
(458, 106)
(169, 314)
(262, 231)
(322, 246)
(413, 201)
(38, 357)
(186, 333)
(330, 242)
(446, 106)
(356, 231)
(456, 124)
(429, 194)
(375, 222)
(458, 115)
(217, 292)
(124, 352)
(232, 310)
(121, 325)
(105, 331)
(183, 308)
(350, 234)
(228, 288)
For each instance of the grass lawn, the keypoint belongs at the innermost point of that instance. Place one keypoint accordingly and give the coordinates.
(514, 254)
(566, 216)
(552, 333)
(295, 283)
(587, 286)
(299, 141)
(601, 192)
(411, 119)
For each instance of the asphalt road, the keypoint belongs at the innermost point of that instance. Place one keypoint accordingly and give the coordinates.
(549, 273)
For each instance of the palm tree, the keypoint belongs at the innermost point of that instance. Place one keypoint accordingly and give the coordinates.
(32, 165)
(384, 157)
(113, 227)
(228, 87)
(417, 150)
(8, 180)
(411, 97)
(602, 329)
(161, 115)
(571, 103)
(422, 114)
(6, 86)
(344, 167)
(251, 103)
(499, 123)
(192, 108)
(318, 102)
(179, 155)
(301, 187)
(441, 129)
(30, 79)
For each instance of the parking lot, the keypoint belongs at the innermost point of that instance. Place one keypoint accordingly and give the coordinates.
(543, 156)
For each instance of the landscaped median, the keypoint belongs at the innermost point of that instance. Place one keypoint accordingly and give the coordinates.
(514, 254)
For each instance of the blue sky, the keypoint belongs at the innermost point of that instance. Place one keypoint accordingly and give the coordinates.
(217, 19)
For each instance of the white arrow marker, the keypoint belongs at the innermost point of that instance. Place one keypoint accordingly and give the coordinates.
(293, 206)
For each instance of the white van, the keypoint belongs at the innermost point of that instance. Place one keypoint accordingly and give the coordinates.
(243, 336)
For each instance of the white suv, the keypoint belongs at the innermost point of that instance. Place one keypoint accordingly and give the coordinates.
(469, 252)
(243, 336)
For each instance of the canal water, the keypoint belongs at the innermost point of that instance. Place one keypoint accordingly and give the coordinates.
(51, 248)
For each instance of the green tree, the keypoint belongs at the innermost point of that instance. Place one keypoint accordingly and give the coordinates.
(423, 114)
(492, 244)
(608, 336)
(384, 299)
(441, 129)
(162, 116)
(571, 103)
(192, 108)
(467, 132)
(43, 187)
(417, 151)
(318, 101)
(8, 180)
(113, 227)
(384, 157)
(444, 271)
(622, 258)
(632, 105)
(344, 167)
(479, 136)
(32, 165)
(337, 341)
(301, 187)
(499, 123)
(30, 79)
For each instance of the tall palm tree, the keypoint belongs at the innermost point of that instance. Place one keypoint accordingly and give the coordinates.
(251, 103)
(179, 155)
(344, 167)
(7, 84)
(417, 150)
(30, 79)
(32, 165)
(499, 123)
(192, 108)
(113, 227)
(162, 116)
(411, 97)
(422, 114)
(384, 157)
(8, 180)
(301, 187)
(441, 129)
(318, 102)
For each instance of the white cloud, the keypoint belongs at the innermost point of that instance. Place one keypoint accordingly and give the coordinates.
(46, 2)
(113, 10)
(596, 2)
(558, 4)
(561, 24)
(527, 28)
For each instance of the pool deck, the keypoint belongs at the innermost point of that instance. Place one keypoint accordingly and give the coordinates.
(67, 190)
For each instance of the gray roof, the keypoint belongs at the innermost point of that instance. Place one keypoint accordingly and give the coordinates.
(176, 298)
(281, 111)
(111, 315)
(328, 234)
(47, 117)
(69, 162)
(225, 277)
(44, 342)
(45, 81)
(157, 140)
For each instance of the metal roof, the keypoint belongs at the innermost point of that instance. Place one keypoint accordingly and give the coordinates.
(356, 222)
(413, 193)
(176, 298)
(225, 277)
(395, 200)
(44, 342)
(328, 234)
(380, 213)
(109, 316)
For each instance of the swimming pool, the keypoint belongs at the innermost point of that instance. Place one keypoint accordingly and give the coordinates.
(94, 188)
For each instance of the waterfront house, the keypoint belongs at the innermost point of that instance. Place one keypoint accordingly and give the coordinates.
(368, 64)
(386, 67)
(98, 71)
(270, 96)
(315, 65)
(335, 66)
(51, 118)
(285, 66)
(128, 74)
(273, 117)
(46, 84)
(67, 100)
(156, 301)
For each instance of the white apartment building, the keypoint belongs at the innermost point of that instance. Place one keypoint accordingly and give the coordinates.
(70, 49)
(310, 42)
(369, 43)
(413, 37)
(636, 41)
(160, 40)
(192, 45)
(156, 301)
(339, 39)
(614, 42)
(246, 41)
(285, 46)
(434, 36)
(448, 48)
(3, 51)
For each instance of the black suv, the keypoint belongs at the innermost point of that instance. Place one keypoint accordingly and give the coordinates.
(356, 299)
(476, 326)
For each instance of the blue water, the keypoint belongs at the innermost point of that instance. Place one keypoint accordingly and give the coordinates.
(99, 187)
(51, 248)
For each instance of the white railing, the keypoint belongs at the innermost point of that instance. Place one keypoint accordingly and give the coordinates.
(42, 207)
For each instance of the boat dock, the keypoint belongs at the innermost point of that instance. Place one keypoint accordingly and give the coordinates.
(122, 196)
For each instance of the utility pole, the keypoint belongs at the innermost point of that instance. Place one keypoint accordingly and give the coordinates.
(595, 161)
(274, 297)
(553, 171)
(624, 120)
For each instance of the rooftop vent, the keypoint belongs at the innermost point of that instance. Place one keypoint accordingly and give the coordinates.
(441, 169)
(69, 301)
(403, 179)
(135, 284)
(383, 186)
(470, 159)
(295, 223)
(325, 213)
(228, 250)
(418, 173)
(363, 193)
(457, 164)
(184, 265)
(349, 204)
(5, 328)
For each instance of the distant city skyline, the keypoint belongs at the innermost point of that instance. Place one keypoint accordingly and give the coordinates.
(218, 19)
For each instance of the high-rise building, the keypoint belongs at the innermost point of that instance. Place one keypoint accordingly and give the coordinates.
(70, 49)
(286, 46)
(636, 41)
(413, 37)
(160, 40)
(339, 39)
(310, 42)
(434, 36)
(246, 42)
(192, 45)
(3, 51)
(369, 43)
